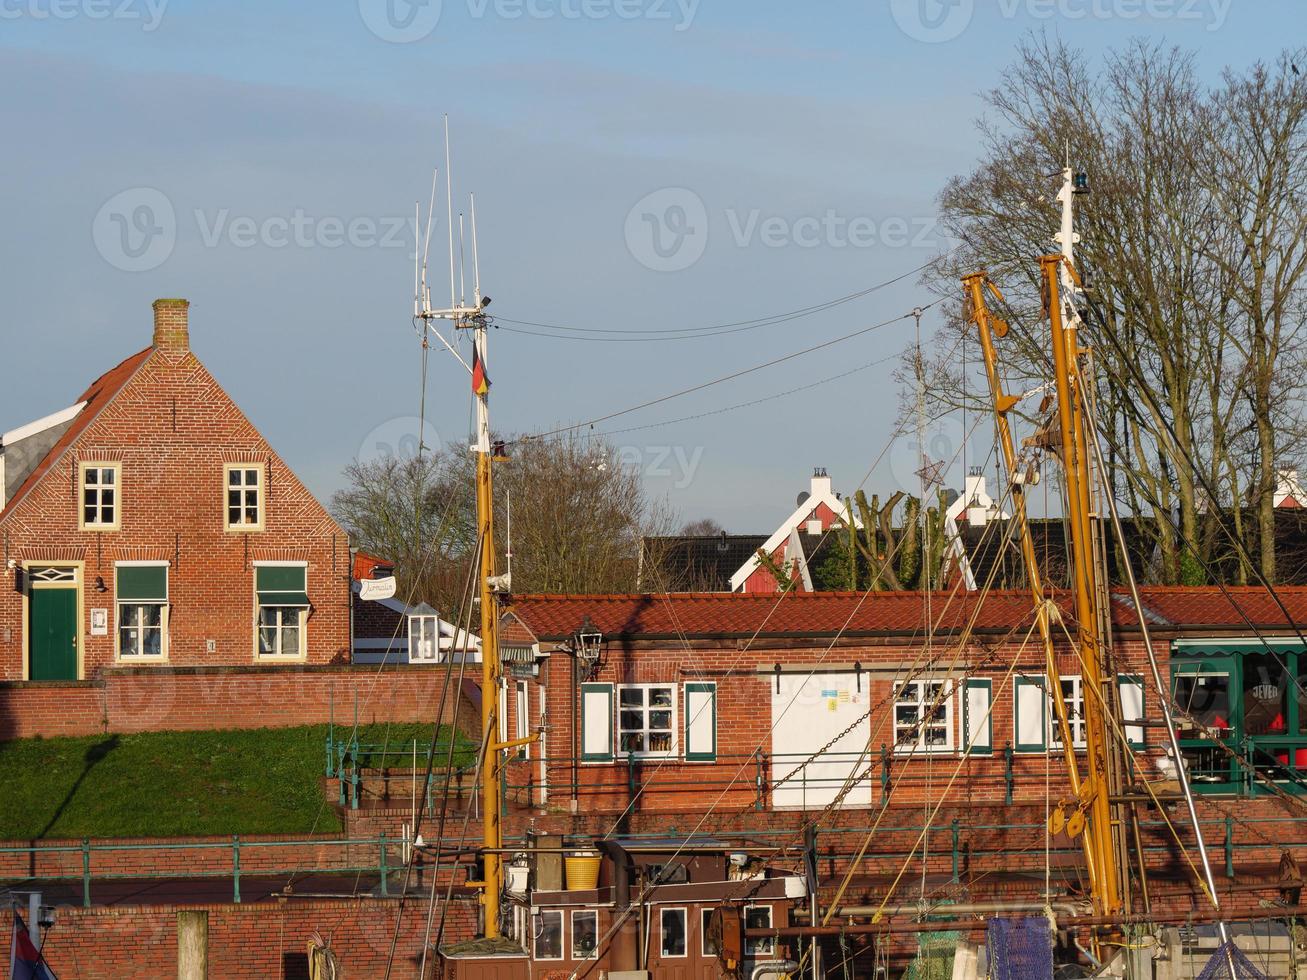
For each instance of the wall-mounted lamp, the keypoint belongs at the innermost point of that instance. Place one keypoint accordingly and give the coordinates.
(777, 669)
(589, 644)
(857, 674)
(99, 584)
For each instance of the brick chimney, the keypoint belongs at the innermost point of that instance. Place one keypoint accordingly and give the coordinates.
(171, 332)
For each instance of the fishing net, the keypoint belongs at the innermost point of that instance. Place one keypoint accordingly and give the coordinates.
(1230, 963)
(1020, 949)
(934, 959)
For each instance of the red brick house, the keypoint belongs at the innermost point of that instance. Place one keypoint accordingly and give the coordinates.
(681, 701)
(151, 524)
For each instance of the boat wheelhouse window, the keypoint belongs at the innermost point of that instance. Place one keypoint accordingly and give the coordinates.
(707, 941)
(549, 935)
(758, 917)
(585, 933)
(673, 932)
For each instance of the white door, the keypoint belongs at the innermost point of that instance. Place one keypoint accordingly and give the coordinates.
(808, 711)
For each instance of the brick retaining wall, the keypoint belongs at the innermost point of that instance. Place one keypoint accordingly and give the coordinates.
(268, 939)
(196, 698)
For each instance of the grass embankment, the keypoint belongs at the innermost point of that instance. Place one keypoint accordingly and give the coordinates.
(164, 784)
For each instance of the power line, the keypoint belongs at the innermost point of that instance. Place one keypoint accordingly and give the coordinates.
(756, 401)
(729, 377)
(631, 335)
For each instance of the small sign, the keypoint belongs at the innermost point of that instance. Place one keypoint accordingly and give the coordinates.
(373, 589)
(99, 622)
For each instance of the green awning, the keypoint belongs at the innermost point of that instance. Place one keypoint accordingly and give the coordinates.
(142, 583)
(281, 585)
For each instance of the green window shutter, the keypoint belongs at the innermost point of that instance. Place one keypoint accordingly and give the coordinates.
(701, 722)
(596, 723)
(1133, 705)
(977, 717)
(142, 583)
(281, 585)
(1030, 711)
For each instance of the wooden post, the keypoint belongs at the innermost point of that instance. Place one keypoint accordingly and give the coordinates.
(193, 945)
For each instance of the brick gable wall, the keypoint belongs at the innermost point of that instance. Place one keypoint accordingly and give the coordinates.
(172, 428)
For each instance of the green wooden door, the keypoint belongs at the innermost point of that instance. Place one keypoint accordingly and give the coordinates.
(53, 635)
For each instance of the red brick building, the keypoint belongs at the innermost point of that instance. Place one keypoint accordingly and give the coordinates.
(684, 701)
(152, 525)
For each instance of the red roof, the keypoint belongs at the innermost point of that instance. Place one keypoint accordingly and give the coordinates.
(556, 617)
(365, 563)
(100, 392)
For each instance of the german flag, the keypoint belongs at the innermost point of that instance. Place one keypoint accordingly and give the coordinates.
(480, 380)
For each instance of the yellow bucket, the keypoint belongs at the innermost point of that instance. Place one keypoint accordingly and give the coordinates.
(582, 869)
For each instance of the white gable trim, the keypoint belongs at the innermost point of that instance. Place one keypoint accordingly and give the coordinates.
(40, 425)
(792, 523)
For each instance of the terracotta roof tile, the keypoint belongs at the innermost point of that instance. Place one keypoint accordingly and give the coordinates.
(98, 394)
(556, 617)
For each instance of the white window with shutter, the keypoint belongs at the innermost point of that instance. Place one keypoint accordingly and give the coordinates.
(1132, 708)
(701, 721)
(596, 723)
(977, 720)
(1031, 714)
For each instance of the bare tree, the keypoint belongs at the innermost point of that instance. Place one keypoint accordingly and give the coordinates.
(1191, 193)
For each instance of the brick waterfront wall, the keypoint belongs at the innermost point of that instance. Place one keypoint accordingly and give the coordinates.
(268, 939)
(156, 699)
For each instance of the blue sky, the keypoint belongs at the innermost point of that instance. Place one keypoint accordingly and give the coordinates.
(783, 154)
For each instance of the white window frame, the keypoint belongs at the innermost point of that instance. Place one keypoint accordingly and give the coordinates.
(685, 933)
(767, 947)
(303, 619)
(260, 495)
(1075, 707)
(704, 916)
(522, 717)
(99, 467)
(672, 732)
(424, 623)
(594, 953)
(562, 936)
(142, 658)
(950, 687)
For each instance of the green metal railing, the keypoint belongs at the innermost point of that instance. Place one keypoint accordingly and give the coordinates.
(840, 844)
(383, 865)
(347, 758)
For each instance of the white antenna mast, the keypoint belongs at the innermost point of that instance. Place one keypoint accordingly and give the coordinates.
(426, 248)
(476, 261)
(417, 260)
(462, 265)
(449, 212)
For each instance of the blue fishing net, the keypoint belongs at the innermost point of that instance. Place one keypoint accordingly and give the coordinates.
(1230, 963)
(1021, 948)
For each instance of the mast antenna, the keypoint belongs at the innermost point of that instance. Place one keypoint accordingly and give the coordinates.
(476, 259)
(462, 264)
(449, 212)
